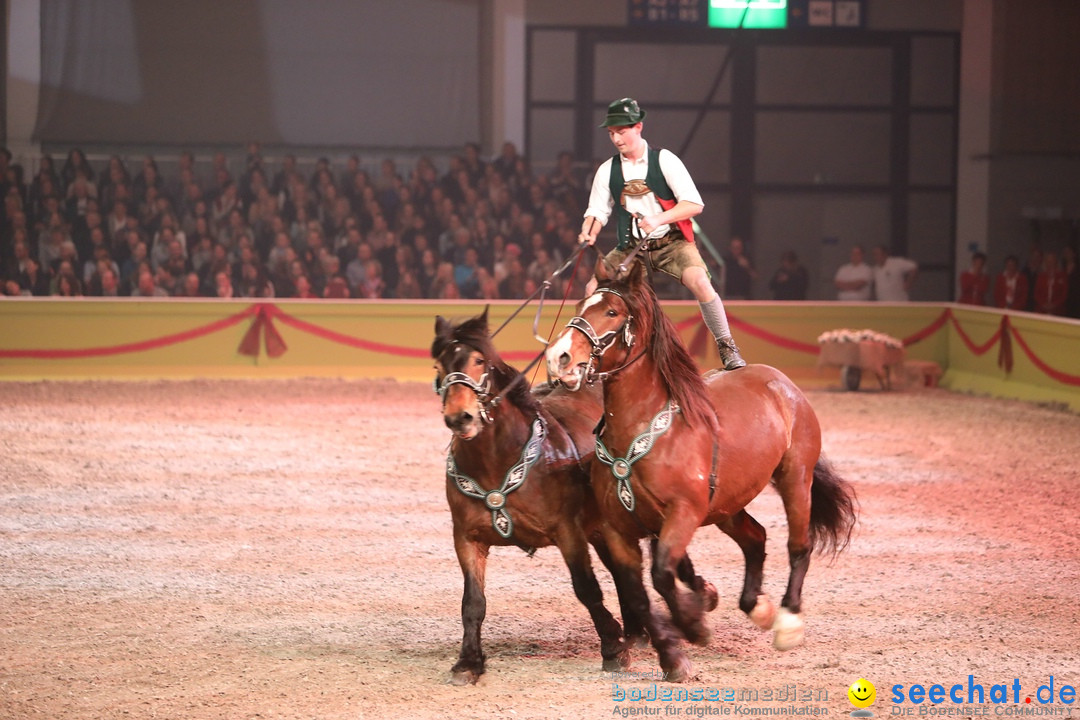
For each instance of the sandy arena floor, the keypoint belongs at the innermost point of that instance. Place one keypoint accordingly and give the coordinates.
(281, 549)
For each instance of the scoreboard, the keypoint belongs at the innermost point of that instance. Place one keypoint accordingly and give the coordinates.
(756, 14)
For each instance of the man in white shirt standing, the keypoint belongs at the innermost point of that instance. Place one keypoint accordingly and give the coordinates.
(854, 280)
(893, 276)
(651, 194)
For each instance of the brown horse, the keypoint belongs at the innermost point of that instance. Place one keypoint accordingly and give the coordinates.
(518, 474)
(680, 451)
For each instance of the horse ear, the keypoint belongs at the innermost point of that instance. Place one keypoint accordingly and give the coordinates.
(603, 271)
(484, 317)
(442, 326)
(636, 274)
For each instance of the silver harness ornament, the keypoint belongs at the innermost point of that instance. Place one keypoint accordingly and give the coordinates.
(495, 500)
(481, 387)
(601, 343)
(622, 467)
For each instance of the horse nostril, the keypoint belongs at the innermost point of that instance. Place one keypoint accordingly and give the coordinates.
(564, 360)
(458, 421)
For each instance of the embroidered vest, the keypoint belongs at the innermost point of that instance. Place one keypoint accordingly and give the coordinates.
(655, 182)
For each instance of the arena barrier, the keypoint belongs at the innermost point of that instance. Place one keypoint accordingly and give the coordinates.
(986, 351)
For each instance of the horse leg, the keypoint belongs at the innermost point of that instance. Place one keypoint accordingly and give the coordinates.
(749, 535)
(575, 552)
(633, 626)
(472, 556)
(699, 585)
(687, 608)
(794, 489)
(626, 569)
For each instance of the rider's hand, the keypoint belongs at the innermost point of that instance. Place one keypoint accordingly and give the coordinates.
(586, 239)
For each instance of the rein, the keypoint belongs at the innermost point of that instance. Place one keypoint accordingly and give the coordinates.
(542, 292)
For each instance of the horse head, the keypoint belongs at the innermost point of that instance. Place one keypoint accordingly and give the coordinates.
(604, 322)
(466, 366)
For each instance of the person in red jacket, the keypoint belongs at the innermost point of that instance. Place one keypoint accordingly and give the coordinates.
(975, 282)
(1051, 287)
(1011, 286)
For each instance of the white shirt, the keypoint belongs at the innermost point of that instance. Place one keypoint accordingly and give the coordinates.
(889, 278)
(675, 173)
(850, 272)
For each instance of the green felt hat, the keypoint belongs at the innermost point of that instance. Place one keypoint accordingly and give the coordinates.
(623, 112)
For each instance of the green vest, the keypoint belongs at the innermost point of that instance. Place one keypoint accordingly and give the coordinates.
(655, 181)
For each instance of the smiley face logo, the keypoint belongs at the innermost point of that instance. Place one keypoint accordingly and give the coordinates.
(862, 693)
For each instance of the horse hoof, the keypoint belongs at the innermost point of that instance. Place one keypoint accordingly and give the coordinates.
(464, 677)
(711, 598)
(637, 641)
(790, 630)
(764, 613)
(618, 663)
(682, 671)
(698, 634)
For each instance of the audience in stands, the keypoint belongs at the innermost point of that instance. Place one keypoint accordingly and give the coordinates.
(480, 229)
(279, 232)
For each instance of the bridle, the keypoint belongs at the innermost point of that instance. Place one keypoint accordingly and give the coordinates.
(481, 387)
(600, 344)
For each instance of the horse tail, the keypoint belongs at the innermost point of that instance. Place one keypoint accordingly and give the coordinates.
(834, 509)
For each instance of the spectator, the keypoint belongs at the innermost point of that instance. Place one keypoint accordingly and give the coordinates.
(515, 284)
(51, 242)
(372, 285)
(65, 282)
(893, 275)
(223, 286)
(356, 270)
(190, 287)
(107, 284)
(505, 163)
(790, 280)
(337, 287)
(32, 280)
(1051, 287)
(1031, 271)
(1072, 282)
(132, 265)
(740, 272)
(465, 273)
(253, 281)
(567, 183)
(408, 286)
(74, 165)
(975, 281)
(148, 177)
(542, 268)
(1011, 286)
(303, 288)
(854, 280)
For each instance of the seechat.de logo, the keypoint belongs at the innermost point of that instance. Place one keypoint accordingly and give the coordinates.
(862, 695)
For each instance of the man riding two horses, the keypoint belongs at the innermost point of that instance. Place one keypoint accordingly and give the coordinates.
(657, 198)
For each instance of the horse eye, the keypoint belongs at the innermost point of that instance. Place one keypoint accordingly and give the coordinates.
(478, 361)
(611, 313)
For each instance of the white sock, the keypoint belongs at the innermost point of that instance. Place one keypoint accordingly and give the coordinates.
(715, 317)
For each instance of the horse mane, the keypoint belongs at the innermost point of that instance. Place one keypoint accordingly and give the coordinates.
(474, 333)
(678, 371)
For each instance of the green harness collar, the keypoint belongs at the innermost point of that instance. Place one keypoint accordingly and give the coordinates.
(515, 477)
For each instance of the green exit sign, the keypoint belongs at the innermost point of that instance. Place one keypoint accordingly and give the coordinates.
(748, 13)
